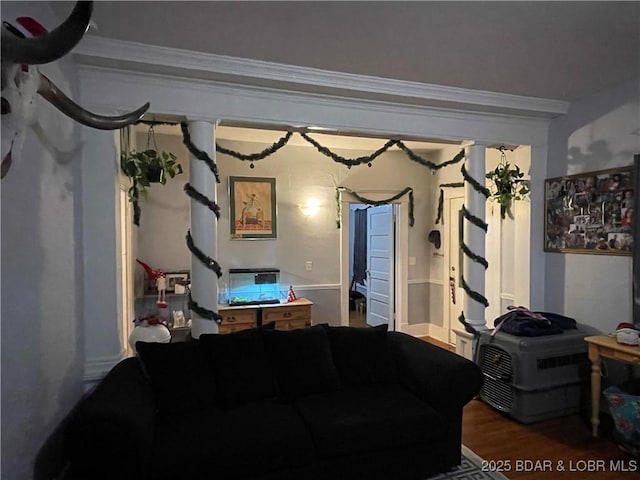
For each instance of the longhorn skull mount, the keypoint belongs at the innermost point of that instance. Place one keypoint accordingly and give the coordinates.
(19, 86)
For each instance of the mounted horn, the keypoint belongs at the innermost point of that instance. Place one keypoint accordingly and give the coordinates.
(51, 46)
(71, 109)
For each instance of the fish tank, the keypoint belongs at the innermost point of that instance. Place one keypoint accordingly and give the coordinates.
(254, 286)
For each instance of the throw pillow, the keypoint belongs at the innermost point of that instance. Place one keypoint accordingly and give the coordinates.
(179, 375)
(242, 367)
(362, 355)
(302, 360)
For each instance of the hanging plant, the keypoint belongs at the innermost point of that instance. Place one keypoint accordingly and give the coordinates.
(508, 185)
(147, 167)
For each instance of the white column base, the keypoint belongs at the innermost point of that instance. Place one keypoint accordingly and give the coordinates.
(464, 343)
(202, 325)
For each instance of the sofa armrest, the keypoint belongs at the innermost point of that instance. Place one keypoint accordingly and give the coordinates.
(111, 430)
(442, 378)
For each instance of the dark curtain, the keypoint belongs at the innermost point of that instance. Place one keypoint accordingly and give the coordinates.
(360, 246)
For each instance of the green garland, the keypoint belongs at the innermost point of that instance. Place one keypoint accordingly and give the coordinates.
(204, 312)
(478, 222)
(375, 203)
(257, 156)
(473, 256)
(478, 297)
(467, 326)
(196, 152)
(428, 163)
(206, 260)
(202, 199)
(441, 198)
(349, 162)
(474, 183)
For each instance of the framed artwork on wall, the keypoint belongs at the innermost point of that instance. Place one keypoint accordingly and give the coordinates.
(176, 281)
(590, 212)
(252, 203)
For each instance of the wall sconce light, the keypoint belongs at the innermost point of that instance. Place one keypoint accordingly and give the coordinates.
(311, 208)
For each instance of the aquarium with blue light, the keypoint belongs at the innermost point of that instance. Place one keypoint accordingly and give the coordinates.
(254, 286)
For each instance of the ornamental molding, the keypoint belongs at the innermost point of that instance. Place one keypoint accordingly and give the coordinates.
(119, 88)
(133, 56)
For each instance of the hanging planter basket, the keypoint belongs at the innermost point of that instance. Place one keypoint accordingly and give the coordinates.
(147, 167)
(508, 185)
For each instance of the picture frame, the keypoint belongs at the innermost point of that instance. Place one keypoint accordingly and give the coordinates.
(252, 205)
(172, 277)
(591, 212)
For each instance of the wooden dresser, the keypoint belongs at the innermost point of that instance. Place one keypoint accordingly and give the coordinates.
(287, 316)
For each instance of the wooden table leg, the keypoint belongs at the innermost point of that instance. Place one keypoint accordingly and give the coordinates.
(594, 356)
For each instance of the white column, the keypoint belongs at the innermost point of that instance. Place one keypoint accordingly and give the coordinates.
(204, 228)
(474, 237)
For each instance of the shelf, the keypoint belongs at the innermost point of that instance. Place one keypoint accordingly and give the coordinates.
(167, 295)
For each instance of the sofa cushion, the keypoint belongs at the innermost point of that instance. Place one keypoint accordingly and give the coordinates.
(242, 367)
(372, 417)
(179, 374)
(243, 442)
(362, 355)
(303, 361)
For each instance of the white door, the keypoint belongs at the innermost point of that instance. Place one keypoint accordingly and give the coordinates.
(453, 281)
(380, 255)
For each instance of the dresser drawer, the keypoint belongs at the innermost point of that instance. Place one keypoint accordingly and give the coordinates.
(234, 320)
(292, 324)
(234, 327)
(289, 313)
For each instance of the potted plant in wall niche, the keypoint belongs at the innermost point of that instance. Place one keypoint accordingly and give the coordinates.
(508, 185)
(144, 168)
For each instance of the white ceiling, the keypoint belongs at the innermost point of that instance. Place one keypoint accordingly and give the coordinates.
(555, 50)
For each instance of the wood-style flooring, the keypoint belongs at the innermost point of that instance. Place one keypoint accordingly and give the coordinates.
(556, 449)
(357, 319)
(563, 441)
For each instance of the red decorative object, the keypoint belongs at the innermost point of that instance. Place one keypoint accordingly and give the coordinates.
(161, 283)
(292, 295)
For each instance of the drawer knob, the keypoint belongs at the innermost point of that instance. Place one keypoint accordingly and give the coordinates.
(287, 314)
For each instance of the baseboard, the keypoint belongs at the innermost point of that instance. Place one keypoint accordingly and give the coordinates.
(415, 329)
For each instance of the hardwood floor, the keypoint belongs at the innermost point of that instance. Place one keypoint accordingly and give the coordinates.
(357, 319)
(556, 449)
(563, 441)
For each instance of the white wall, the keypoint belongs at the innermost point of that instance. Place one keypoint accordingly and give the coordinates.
(42, 292)
(598, 133)
(165, 216)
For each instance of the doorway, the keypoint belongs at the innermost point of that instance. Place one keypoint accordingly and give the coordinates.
(385, 285)
(372, 265)
(453, 261)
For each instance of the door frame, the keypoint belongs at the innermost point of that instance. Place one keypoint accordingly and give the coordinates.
(445, 334)
(401, 256)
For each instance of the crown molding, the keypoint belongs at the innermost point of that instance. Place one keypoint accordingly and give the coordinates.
(121, 90)
(133, 56)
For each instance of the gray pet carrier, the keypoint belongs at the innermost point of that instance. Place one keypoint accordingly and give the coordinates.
(534, 378)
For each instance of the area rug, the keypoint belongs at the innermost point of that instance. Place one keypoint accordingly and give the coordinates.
(471, 468)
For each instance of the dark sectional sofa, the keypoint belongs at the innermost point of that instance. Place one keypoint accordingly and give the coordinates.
(316, 403)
